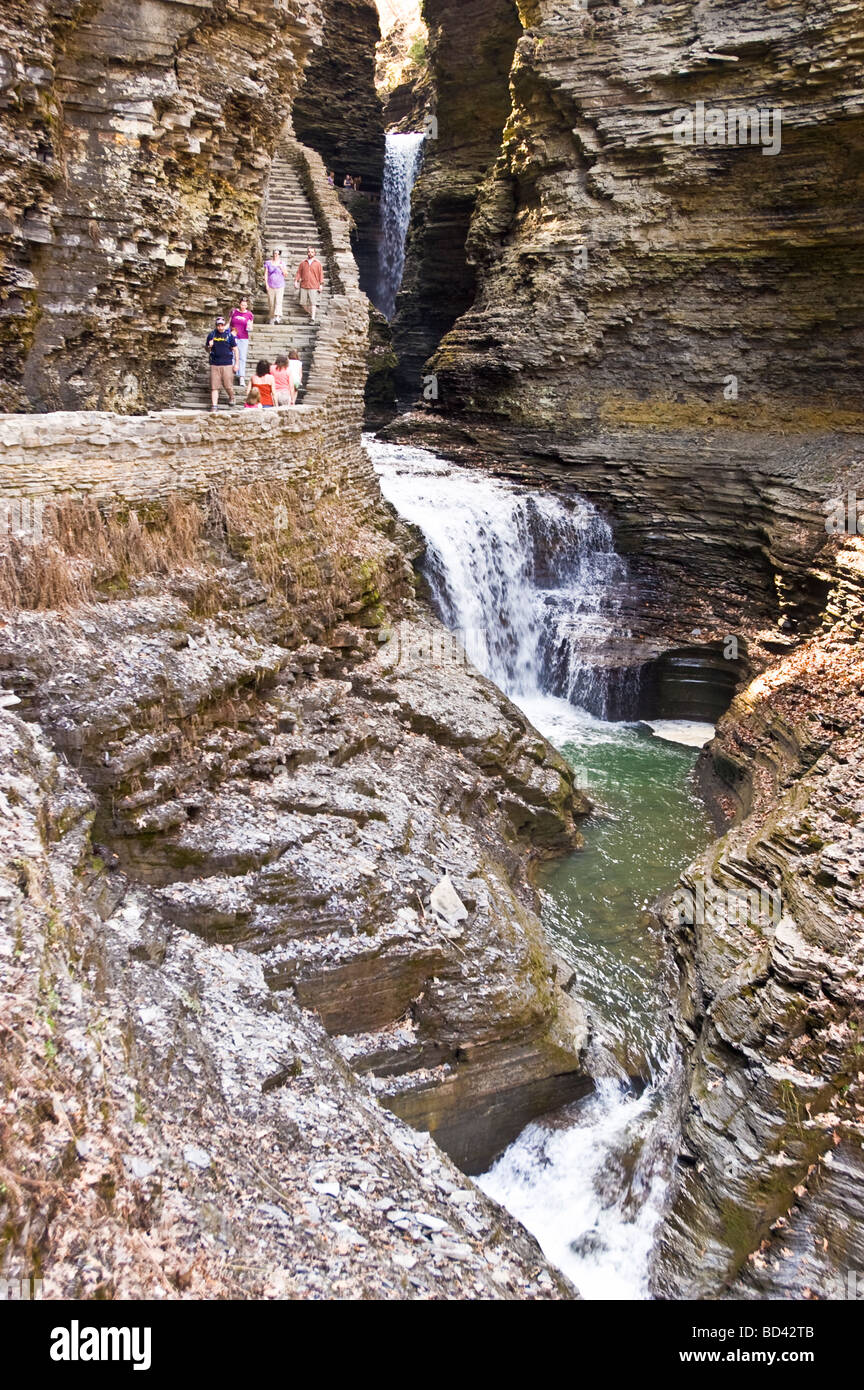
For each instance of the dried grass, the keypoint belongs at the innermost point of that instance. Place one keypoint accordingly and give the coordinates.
(86, 551)
(311, 550)
(303, 547)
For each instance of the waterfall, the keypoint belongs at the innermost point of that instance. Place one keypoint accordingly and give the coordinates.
(527, 579)
(403, 156)
(530, 583)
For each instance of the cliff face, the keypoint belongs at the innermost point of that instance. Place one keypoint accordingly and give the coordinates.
(674, 330)
(171, 1128)
(338, 111)
(767, 1196)
(470, 51)
(626, 279)
(282, 759)
(141, 138)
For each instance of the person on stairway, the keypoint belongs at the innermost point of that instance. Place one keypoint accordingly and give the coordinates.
(295, 371)
(274, 280)
(308, 280)
(284, 391)
(221, 349)
(240, 323)
(262, 378)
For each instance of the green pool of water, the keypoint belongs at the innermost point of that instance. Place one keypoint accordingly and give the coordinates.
(648, 823)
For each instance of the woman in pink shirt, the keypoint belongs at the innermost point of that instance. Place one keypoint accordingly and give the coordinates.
(282, 383)
(240, 325)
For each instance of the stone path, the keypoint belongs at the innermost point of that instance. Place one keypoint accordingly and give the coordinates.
(291, 225)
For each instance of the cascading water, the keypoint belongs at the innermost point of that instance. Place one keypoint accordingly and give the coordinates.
(530, 582)
(527, 579)
(402, 159)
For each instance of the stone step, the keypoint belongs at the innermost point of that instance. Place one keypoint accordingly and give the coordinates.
(290, 223)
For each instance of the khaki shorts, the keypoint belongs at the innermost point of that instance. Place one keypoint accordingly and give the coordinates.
(309, 297)
(222, 376)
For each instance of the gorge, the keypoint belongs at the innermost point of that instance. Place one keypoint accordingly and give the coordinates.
(433, 864)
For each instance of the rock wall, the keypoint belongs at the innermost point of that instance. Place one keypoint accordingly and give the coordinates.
(626, 279)
(171, 1128)
(676, 331)
(141, 138)
(672, 330)
(767, 1198)
(337, 110)
(469, 54)
(282, 762)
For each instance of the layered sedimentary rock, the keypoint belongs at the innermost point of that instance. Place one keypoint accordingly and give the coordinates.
(626, 279)
(171, 1128)
(337, 110)
(279, 770)
(769, 931)
(675, 330)
(470, 51)
(138, 142)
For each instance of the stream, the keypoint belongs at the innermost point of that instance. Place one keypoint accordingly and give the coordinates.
(530, 582)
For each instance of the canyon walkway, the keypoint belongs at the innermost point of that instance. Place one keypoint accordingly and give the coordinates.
(108, 457)
(290, 223)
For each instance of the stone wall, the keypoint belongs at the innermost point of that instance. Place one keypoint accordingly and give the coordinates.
(109, 457)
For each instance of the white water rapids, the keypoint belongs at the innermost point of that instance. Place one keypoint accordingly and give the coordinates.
(402, 159)
(528, 582)
(526, 579)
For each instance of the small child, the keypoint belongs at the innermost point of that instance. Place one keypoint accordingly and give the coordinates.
(282, 387)
(253, 400)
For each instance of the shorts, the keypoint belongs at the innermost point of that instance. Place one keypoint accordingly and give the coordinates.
(309, 297)
(283, 397)
(222, 376)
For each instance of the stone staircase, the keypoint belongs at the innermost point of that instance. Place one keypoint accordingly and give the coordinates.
(289, 224)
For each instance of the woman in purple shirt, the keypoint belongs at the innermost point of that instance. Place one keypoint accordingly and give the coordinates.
(274, 279)
(241, 326)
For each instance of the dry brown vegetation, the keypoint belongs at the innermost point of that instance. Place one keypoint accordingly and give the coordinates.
(86, 551)
(305, 547)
